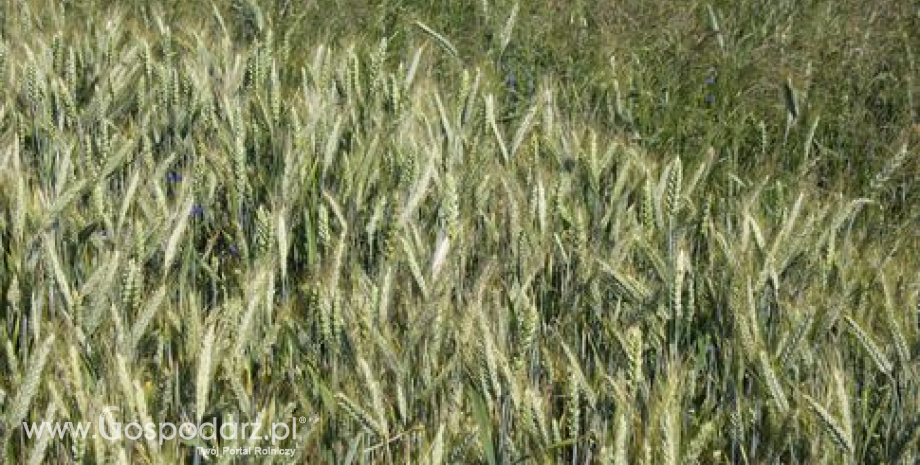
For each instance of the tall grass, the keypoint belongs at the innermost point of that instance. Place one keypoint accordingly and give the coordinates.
(433, 257)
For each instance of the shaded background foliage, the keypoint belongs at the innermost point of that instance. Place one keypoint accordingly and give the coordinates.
(852, 66)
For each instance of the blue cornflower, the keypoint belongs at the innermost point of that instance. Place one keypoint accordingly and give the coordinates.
(173, 177)
(511, 82)
(712, 76)
(197, 211)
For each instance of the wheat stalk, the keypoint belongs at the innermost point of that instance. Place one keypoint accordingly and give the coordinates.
(37, 456)
(831, 426)
(19, 405)
(773, 383)
(881, 360)
(203, 379)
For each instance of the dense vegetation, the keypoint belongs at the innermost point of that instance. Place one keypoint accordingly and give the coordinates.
(464, 232)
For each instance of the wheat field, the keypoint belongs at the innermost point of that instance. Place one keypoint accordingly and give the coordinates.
(434, 259)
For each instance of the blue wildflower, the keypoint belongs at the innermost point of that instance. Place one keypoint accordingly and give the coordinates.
(197, 211)
(711, 77)
(173, 177)
(511, 82)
